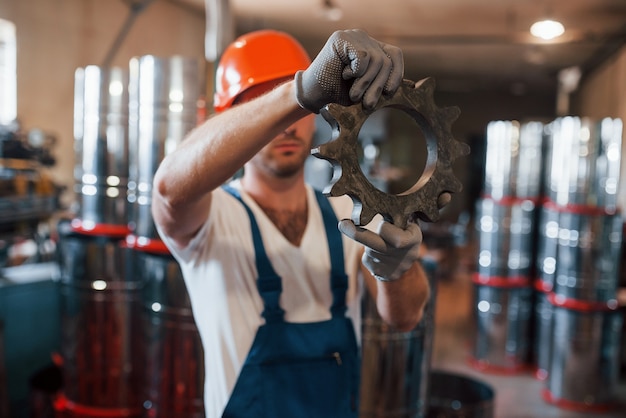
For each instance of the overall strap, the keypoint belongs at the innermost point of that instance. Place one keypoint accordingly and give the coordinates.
(269, 283)
(338, 277)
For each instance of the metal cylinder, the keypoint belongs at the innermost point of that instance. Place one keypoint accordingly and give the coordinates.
(511, 145)
(101, 342)
(101, 145)
(585, 160)
(584, 368)
(622, 357)
(547, 244)
(163, 109)
(457, 396)
(542, 336)
(175, 360)
(395, 365)
(503, 320)
(588, 246)
(505, 238)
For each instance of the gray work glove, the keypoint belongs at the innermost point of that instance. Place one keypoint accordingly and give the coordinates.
(352, 67)
(391, 252)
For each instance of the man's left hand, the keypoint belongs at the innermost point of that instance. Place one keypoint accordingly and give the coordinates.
(388, 253)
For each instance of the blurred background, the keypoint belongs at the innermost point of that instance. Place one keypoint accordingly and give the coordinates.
(528, 259)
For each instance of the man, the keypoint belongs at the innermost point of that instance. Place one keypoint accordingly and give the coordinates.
(269, 276)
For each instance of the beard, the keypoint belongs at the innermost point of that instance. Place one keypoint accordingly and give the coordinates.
(282, 163)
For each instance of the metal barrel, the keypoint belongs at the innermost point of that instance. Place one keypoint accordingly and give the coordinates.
(542, 332)
(162, 110)
(101, 145)
(511, 145)
(584, 361)
(101, 342)
(505, 234)
(621, 300)
(584, 163)
(588, 246)
(503, 319)
(622, 357)
(456, 396)
(608, 164)
(547, 244)
(174, 373)
(395, 365)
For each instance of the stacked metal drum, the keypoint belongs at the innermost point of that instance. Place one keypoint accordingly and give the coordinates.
(163, 109)
(101, 344)
(130, 347)
(395, 370)
(505, 219)
(579, 266)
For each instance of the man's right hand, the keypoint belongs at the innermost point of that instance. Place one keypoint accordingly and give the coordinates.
(352, 67)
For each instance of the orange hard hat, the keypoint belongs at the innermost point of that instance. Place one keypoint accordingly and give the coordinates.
(254, 58)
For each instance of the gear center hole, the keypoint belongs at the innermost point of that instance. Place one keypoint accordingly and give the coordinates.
(393, 152)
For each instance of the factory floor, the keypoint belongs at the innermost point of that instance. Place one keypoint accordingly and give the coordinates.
(516, 396)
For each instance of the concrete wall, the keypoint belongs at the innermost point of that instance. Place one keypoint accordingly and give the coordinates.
(55, 37)
(603, 94)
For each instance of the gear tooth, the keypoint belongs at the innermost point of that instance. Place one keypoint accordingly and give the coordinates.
(429, 215)
(464, 149)
(451, 184)
(425, 84)
(407, 84)
(366, 215)
(325, 151)
(331, 150)
(319, 150)
(340, 187)
(456, 186)
(453, 113)
(330, 118)
(429, 86)
(332, 110)
(460, 149)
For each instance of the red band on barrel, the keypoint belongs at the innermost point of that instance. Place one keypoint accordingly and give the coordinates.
(573, 405)
(109, 230)
(512, 200)
(155, 246)
(543, 286)
(582, 305)
(61, 403)
(501, 281)
(587, 210)
(487, 367)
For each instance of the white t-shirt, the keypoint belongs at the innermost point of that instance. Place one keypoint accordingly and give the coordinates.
(220, 274)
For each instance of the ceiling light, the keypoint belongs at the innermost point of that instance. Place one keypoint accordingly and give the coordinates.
(547, 29)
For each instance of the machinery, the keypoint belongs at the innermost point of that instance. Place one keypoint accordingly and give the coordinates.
(28, 196)
(29, 298)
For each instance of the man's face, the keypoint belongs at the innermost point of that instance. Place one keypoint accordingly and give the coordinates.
(286, 154)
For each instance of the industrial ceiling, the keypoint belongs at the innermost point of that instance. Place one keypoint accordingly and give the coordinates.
(466, 45)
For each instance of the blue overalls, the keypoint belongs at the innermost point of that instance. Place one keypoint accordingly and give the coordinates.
(298, 370)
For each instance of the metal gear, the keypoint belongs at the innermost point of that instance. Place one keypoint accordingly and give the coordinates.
(422, 200)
